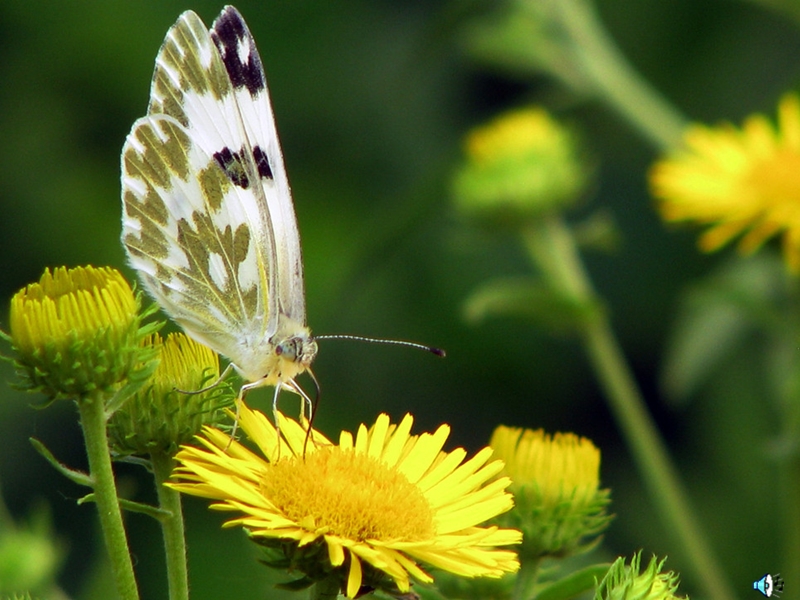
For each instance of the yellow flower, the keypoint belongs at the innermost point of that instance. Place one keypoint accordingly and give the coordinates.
(364, 511)
(519, 166)
(555, 482)
(626, 583)
(76, 332)
(738, 181)
(161, 415)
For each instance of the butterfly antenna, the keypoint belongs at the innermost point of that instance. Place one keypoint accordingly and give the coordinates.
(359, 338)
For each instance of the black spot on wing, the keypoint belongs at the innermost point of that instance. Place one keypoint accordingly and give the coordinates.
(237, 171)
(262, 162)
(238, 51)
(231, 163)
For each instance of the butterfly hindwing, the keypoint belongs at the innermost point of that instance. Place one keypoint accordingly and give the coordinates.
(187, 261)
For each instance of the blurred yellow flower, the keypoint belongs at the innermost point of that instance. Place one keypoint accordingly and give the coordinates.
(363, 511)
(519, 166)
(738, 181)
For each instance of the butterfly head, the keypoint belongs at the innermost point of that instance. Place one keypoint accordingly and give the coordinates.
(299, 349)
(293, 351)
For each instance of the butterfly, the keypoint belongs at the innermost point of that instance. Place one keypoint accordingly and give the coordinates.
(207, 218)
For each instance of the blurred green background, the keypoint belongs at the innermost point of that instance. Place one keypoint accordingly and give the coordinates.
(372, 99)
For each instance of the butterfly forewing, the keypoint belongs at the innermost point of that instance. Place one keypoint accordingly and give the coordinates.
(243, 64)
(208, 220)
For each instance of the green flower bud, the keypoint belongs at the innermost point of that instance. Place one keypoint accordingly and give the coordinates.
(555, 481)
(30, 556)
(76, 332)
(161, 415)
(520, 166)
(626, 583)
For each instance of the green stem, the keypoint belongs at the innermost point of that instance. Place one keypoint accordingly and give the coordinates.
(93, 422)
(611, 76)
(790, 524)
(526, 579)
(172, 528)
(553, 248)
(789, 465)
(327, 589)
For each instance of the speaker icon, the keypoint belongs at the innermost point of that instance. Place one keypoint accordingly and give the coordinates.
(769, 585)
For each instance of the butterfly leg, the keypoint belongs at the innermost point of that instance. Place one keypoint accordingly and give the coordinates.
(239, 400)
(307, 402)
(226, 371)
(276, 418)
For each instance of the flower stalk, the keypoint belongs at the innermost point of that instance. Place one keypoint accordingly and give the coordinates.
(93, 421)
(172, 527)
(613, 78)
(553, 249)
(527, 577)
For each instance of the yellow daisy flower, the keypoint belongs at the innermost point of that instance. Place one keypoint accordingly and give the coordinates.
(739, 181)
(369, 508)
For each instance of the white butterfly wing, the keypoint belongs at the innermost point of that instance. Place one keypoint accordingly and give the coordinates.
(243, 64)
(207, 215)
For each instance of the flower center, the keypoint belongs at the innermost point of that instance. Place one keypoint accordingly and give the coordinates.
(349, 494)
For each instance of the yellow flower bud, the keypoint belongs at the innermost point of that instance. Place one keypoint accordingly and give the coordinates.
(555, 482)
(161, 416)
(75, 332)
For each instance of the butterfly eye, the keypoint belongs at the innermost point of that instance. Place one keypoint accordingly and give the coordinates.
(287, 349)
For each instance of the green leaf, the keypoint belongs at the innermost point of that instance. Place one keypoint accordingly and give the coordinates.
(719, 316)
(78, 477)
(297, 585)
(478, 588)
(530, 299)
(598, 232)
(159, 514)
